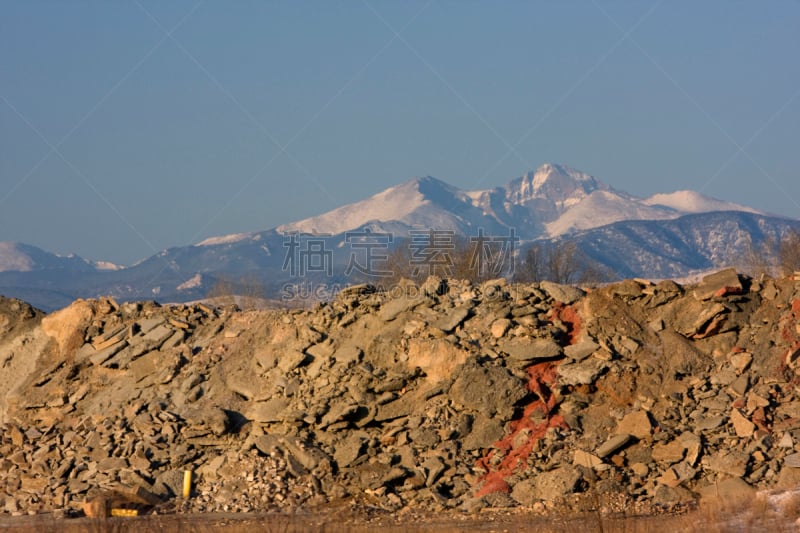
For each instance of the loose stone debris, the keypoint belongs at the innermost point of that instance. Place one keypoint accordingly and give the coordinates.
(453, 396)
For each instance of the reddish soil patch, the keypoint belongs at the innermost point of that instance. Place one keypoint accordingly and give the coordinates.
(789, 331)
(569, 316)
(788, 324)
(537, 418)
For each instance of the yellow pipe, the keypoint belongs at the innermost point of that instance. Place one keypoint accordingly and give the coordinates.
(187, 483)
(124, 512)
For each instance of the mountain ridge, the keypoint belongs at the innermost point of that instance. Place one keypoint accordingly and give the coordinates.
(551, 201)
(664, 235)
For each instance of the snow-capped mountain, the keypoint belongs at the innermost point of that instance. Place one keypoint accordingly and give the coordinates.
(20, 257)
(694, 202)
(553, 200)
(666, 235)
(421, 202)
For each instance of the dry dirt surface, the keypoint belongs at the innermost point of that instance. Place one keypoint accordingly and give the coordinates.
(462, 400)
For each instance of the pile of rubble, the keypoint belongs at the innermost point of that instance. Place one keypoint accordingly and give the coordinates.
(447, 395)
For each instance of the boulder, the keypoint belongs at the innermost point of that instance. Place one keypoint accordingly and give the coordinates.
(547, 486)
(722, 283)
(490, 390)
(565, 294)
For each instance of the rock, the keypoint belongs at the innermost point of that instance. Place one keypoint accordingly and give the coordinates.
(452, 319)
(706, 322)
(636, 423)
(490, 390)
(338, 413)
(742, 426)
(484, 432)
(148, 324)
(693, 446)
(640, 469)
(270, 411)
(565, 294)
(586, 459)
(792, 460)
(612, 445)
(67, 325)
(719, 284)
(547, 486)
(437, 358)
(733, 463)
(671, 452)
(583, 373)
(158, 335)
(741, 361)
(321, 350)
(526, 349)
(499, 327)
(348, 355)
(581, 350)
(670, 478)
(706, 423)
(434, 466)
(394, 307)
(629, 288)
(108, 338)
(730, 489)
(356, 290)
(349, 449)
(672, 495)
(434, 286)
(98, 358)
(291, 359)
(740, 385)
(216, 420)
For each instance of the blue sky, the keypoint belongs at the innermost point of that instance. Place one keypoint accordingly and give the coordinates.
(127, 127)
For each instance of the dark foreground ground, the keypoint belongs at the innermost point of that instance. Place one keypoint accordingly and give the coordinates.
(774, 514)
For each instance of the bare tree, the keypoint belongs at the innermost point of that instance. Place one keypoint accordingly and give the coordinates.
(460, 259)
(222, 292)
(758, 260)
(561, 262)
(789, 253)
(773, 257)
(246, 291)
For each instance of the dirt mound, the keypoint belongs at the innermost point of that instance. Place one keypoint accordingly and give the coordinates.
(451, 396)
(20, 345)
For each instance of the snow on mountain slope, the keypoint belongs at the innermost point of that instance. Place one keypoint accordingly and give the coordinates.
(553, 200)
(107, 265)
(19, 257)
(12, 258)
(420, 202)
(603, 207)
(694, 202)
(227, 239)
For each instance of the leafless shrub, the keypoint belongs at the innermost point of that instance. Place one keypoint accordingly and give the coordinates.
(561, 262)
(773, 257)
(461, 259)
(246, 291)
(789, 253)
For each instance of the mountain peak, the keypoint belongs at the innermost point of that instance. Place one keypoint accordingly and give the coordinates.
(426, 183)
(558, 183)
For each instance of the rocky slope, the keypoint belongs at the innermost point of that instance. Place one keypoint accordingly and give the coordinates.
(442, 396)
